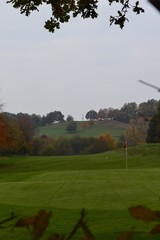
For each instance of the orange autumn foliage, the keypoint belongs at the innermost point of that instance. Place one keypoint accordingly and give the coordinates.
(10, 136)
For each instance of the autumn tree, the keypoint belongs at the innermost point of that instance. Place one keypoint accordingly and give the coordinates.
(101, 114)
(84, 125)
(136, 132)
(26, 125)
(112, 113)
(62, 10)
(104, 143)
(142, 126)
(11, 136)
(3, 135)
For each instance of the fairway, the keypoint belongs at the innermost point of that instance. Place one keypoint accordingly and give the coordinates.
(98, 183)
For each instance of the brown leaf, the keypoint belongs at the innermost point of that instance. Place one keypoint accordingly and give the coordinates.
(41, 223)
(156, 229)
(125, 235)
(142, 213)
(25, 222)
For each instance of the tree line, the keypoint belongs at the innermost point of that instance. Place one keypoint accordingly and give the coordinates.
(72, 146)
(127, 112)
(18, 137)
(38, 120)
(18, 131)
(143, 130)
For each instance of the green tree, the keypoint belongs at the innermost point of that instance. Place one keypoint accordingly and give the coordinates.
(62, 10)
(71, 127)
(148, 109)
(153, 135)
(43, 121)
(92, 115)
(69, 118)
(55, 116)
(127, 112)
(36, 119)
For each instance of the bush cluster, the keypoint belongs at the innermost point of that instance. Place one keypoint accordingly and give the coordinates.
(72, 146)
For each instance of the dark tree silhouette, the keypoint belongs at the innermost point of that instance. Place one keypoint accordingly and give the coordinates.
(62, 10)
(153, 135)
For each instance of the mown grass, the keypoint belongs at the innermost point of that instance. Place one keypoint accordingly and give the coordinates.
(57, 130)
(98, 183)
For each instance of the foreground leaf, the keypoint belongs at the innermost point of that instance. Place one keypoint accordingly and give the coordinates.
(40, 224)
(25, 222)
(142, 213)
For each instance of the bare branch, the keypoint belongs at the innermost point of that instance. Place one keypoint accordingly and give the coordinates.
(150, 85)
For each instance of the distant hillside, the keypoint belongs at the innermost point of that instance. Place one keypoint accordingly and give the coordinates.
(57, 130)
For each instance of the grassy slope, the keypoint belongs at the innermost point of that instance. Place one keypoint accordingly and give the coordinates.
(57, 130)
(67, 184)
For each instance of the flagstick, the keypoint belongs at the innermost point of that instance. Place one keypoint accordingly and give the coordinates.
(126, 157)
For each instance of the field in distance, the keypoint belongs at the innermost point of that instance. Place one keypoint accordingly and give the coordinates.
(57, 130)
(64, 185)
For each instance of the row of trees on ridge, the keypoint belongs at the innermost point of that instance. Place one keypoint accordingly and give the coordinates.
(18, 133)
(127, 112)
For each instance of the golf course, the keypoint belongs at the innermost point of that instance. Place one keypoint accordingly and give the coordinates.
(55, 131)
(99, 183)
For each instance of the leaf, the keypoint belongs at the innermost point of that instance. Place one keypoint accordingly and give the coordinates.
(142, 213)
(125, 235)
(25, 222)
(156, 229)
(41, 223)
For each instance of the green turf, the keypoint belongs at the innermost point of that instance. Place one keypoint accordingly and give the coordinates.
(98, 183)
(57, 130)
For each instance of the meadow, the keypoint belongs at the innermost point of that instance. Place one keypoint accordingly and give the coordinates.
(57, 130)
(64, 185)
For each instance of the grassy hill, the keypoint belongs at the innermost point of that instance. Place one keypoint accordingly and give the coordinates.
(99, 183)
(56, 130)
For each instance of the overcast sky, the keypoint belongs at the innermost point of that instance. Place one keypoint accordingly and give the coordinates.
(85, 65)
